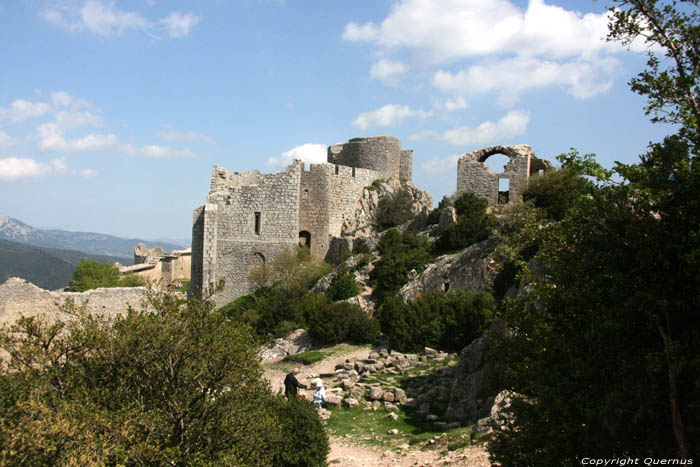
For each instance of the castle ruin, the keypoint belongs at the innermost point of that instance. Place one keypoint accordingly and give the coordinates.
(250, 217)
(158, 268)
(475, 176)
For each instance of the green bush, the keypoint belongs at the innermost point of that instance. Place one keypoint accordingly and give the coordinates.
(175, 385)
(305, 443)
(342, 286)
(393, 210)
(342, 322)
(91, 274)
(361, 247)
(434, 215)
(447, 321)
(555, 191)
(400, 253)
(473, 225)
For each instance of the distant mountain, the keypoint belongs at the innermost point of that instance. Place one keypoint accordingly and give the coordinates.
(87, 242)
(48, 268)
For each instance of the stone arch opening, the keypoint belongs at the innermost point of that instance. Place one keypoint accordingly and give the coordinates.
(305, 238)
(497, 162)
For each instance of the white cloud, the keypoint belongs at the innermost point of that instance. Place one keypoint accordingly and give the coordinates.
(15, 168)
(509, 78)
(451, 105)
(388, 115)
(68, 119)
(7, 140)
(452, 29)
(63, 99)
(51, 138)
(179, 24)
(153, 151)
(185, 136)
(439, 165)
(387, 71)
(21, 110)
(514, 123)
(88, 173)
(309, 152)
(104, 19)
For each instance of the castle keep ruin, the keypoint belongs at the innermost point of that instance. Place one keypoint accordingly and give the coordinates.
(475, 176)
(250, 217)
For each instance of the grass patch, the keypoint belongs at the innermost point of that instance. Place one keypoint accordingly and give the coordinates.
(370, 427)
(184, 288)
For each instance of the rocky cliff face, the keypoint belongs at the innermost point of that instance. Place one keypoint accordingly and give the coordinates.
(473, 269)
(364, 218)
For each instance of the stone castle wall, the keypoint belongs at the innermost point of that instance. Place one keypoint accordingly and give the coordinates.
(379, 153)
(315, 206)
(475, 176)
(406, 170)
(22, 298)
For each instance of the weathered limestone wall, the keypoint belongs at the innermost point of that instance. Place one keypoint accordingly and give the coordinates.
(315, 206)
(21, 298)
(346, 190)
(232, 245)
(160, 269)
(379, 153)
(406, 171)
(474, 175)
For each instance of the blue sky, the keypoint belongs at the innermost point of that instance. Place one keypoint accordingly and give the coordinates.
(113, 112)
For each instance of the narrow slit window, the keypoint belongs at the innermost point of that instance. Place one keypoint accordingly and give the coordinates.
(353, 171)
(336, 170)
(257, 223)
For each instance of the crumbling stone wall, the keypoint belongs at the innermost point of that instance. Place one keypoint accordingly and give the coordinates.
(288, 207)
(160, 269)
(475, 176)
(19, 297)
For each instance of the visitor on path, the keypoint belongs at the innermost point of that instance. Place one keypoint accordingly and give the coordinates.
(291, 383)
(319, 395)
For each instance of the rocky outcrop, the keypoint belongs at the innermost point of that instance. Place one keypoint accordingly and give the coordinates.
(468, 398)
(296, 342)
(362, 223)
(360, 266)
(473, 269)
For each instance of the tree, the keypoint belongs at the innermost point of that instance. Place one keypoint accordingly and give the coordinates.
(93, 274)
(603, 345)
(474, 224)
(177, 385)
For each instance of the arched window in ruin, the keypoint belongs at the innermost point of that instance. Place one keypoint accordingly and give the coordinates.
(305, 239)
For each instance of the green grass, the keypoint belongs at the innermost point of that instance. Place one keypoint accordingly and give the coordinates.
(370, 427)
(184, 288)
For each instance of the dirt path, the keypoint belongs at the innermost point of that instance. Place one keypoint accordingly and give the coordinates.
(347, 454)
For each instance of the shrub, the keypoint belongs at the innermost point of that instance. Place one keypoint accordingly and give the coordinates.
(361, 247)
(91, 274)
(473, 224)
(343, 286)
(400, 253)
(176, 385)
(393, 210)
(342, 322)
(434, 215)
(448, 321)
(555, 191)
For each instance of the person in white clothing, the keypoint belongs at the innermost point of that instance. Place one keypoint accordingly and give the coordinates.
(319, 395)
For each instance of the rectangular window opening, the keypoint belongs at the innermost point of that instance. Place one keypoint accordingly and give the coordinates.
(336, 170)
(353, 171)
(503, 190)
(257, 223)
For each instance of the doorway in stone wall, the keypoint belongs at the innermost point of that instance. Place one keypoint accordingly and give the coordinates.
(305, 239)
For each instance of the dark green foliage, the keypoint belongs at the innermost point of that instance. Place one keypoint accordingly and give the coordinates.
(473, 224)
(400, 253)
(434, 215)
(447, 321)
(555, 191)
(306, 441)
(342, 322)
(342, 286)
(393, 210)
(361, 247)
(177, 385)
(92, 274)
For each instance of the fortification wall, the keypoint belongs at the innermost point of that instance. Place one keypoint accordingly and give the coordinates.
(406, 169)
(248, 222)
(379, 153)
(21, 298)
(346, 190)
(475, 176)
(315, 206)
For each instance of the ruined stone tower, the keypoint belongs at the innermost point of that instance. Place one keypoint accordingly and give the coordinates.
(250, 217)
(475, 176)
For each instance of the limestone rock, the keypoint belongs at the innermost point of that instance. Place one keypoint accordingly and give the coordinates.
(448, 216)
(473, 269)
(296, 342)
